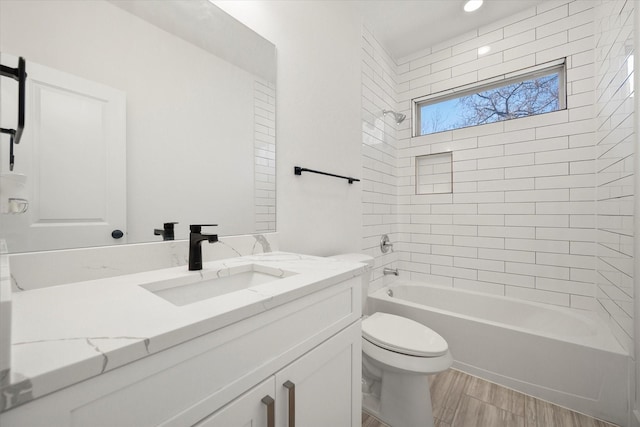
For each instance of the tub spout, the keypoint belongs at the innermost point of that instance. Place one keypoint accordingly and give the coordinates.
(388, 271)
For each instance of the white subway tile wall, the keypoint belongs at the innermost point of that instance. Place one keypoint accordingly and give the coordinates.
(265, 156)
(434, 174)
(615, 139)
(542, 206)
(514, 178)
(379, 150)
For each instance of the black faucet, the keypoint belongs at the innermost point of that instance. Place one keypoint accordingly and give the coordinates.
(195, 250)
(167, 233)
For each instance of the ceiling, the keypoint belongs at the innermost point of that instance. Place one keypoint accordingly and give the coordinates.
(404, 27)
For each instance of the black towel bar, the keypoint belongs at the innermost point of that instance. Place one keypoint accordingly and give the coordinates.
(298, 171)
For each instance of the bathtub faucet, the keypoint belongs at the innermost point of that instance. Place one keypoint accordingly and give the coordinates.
(386, 271)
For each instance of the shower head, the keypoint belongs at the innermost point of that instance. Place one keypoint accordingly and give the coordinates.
(399, 117)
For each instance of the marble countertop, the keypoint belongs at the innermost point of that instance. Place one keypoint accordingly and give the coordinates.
(65, 334)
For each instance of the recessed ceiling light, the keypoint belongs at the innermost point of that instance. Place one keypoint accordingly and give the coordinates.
(484, 50)
(472, 5)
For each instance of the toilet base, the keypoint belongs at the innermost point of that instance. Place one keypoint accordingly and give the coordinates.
(405, 400)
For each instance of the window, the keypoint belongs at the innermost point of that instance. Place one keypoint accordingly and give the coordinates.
(530, 92)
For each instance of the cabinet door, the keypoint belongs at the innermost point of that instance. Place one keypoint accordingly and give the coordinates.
(322, 388)
(249, 410)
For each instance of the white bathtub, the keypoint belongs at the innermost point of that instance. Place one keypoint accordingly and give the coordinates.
(556, 354)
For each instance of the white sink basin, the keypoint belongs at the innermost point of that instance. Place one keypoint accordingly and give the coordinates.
(200, 285)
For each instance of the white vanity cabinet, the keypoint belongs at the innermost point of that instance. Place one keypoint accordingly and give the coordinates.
(316, 390)
(323, 393)
(220, 378)
(254, 408)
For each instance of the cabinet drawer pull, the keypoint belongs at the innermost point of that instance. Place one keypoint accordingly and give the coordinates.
(271, 413)
(292, 402)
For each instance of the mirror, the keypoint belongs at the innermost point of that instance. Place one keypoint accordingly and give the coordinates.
(139, 113)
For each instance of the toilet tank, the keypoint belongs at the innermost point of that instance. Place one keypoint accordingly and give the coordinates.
(366, 276)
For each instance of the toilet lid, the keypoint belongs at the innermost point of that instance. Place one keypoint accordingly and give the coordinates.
(403, 335)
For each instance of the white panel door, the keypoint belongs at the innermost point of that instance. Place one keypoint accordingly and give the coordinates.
(73, 152)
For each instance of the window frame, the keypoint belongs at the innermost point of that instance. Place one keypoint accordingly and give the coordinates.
(553, 67)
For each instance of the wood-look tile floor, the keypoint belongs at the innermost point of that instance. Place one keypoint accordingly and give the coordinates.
(462, 400)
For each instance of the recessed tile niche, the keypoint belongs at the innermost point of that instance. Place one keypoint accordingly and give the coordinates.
(434, 173)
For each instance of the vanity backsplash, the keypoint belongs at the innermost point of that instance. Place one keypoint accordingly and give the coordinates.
(33, 270)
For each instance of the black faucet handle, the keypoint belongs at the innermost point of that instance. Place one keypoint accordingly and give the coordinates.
(197, 228)
(167, 232)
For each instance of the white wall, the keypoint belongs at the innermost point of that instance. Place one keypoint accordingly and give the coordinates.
(318, 115)
(318, 119)
(617, 159)
(379, 152)
(616, 143)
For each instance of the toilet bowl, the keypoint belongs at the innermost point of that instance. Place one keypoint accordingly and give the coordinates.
(398, 354)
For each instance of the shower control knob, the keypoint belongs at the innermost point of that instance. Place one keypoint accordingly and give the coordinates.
(385, 244)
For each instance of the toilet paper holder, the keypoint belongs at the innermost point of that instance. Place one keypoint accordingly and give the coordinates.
(13, 193)
(17, 206)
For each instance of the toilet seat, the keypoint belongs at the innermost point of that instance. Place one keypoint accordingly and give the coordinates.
(397, 362)
(402, 335)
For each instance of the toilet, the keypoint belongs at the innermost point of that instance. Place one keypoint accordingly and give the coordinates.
(397, 355)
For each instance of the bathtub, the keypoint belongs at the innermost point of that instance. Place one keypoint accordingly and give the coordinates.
(556, 354)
